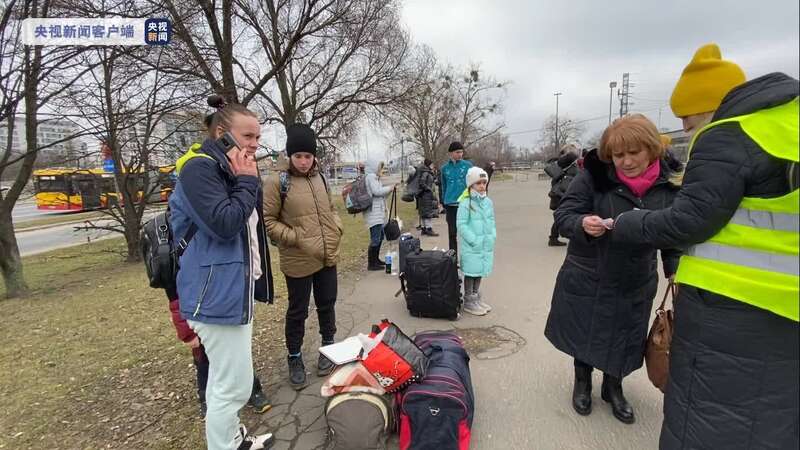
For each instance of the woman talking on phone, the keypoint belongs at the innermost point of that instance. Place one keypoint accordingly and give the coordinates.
(604, 292)
(225, 267)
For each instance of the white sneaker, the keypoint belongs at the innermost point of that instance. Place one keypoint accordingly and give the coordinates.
(253, 442)
(483, 305)
(471, 306)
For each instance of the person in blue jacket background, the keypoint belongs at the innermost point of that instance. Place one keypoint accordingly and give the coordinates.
(477, 234)
(453, 175)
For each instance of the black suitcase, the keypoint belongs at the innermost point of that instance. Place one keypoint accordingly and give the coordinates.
(408, 244)
(431, 285)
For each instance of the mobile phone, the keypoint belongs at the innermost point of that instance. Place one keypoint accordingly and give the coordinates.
(227, 142)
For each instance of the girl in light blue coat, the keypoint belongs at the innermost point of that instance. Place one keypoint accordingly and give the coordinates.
(476, 235)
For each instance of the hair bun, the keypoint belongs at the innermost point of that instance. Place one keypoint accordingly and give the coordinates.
(216, 101)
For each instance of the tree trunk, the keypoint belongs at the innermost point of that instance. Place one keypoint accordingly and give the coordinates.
(10, 262)
(132, 239)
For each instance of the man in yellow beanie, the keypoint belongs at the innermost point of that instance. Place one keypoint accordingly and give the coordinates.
(734, 361)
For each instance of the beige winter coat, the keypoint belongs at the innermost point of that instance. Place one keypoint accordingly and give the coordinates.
(306, 227)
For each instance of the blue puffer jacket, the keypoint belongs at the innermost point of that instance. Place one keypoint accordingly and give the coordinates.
(454, 181)
(215, 282)
(476, 234)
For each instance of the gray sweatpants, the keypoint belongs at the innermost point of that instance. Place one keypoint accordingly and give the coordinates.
(230, 379)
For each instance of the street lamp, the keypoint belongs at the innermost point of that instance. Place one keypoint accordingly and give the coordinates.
(558, 150)
(611, 87)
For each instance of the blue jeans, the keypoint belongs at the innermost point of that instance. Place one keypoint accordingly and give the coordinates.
(375, 235)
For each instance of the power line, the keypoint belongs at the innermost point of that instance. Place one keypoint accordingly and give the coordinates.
(591, 119)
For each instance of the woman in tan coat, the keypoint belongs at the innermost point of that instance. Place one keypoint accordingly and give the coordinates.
(302, 221)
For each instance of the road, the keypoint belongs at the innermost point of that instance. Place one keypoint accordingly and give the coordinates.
(62, 236)
(523, 394)
(24, 211)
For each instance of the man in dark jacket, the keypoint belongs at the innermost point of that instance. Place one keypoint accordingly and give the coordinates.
(562, 171)
(734, 358)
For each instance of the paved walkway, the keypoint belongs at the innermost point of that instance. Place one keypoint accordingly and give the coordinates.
(522, 390)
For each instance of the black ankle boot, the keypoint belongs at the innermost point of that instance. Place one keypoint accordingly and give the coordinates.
(297, 372)
(582, 391)
(554, 242)
(373, 263)
(430, 232)
(612, 393)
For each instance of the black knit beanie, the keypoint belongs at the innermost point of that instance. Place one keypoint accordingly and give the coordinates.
(300, 138)
(455, 145)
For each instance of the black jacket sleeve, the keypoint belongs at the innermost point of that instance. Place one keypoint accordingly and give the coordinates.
(713, 187)
(215, 211)
(576, 204)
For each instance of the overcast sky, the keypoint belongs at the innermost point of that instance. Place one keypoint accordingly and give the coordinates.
(577, 46)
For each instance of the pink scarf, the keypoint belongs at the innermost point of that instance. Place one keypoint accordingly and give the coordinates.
(641, 184)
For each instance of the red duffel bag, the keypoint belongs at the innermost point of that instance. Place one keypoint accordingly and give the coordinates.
(395, 361)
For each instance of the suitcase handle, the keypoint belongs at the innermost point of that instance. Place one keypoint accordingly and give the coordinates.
(402, 285)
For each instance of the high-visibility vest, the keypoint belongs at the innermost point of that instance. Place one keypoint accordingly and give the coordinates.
(754, 258)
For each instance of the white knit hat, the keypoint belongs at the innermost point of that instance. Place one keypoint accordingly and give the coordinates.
(475, 174)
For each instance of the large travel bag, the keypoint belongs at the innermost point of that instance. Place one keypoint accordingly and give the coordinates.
(431, 284)
(437, 414)
(360, 421)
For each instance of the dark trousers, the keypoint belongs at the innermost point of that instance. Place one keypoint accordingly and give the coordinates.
(554, 231)
(452, 233)
(201, 366)
(325, 287)
(375, 236)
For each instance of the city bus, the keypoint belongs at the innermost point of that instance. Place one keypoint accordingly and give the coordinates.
(67, 189)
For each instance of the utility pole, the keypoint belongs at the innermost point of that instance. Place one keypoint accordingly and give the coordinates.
(611, 87)
(558, 149)
(624, 94)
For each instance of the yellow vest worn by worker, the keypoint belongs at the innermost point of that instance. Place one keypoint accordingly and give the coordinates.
(754, 258)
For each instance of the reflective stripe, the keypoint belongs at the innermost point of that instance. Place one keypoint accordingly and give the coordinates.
(773, 262)
(766, 220)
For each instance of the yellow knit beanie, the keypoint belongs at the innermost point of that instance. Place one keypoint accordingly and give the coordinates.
(705, 82)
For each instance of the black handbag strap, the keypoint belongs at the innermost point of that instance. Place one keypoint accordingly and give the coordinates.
(393, 204)
(184, 243)
(672, 291)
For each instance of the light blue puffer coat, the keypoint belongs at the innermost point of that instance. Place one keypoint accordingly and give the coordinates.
(476, 234)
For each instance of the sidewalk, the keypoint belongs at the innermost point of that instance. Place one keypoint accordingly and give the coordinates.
(522, 384)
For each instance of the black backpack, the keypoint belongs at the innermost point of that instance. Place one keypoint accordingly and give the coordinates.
(160, 252)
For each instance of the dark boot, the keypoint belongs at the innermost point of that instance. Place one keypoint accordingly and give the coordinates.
(324, 366)
(429, 232)
(373, 263)
(582, 391)
(297, 372)
(554, 242)
(258, 401)
(612, 393)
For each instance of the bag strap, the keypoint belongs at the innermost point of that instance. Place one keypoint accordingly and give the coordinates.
(393, 204)
(402, 285)
(184, 242)
(672, 289)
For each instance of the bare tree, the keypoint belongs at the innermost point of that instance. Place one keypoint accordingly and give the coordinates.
(126, 107)
(480, 100)
(569, 133)
(30, 77)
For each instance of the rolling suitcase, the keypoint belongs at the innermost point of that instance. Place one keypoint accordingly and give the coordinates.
(431, 284)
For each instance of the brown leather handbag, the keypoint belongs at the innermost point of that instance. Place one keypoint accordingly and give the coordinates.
(656, 352)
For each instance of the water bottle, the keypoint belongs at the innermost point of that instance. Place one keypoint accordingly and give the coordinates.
(388, 260)
(395, 267)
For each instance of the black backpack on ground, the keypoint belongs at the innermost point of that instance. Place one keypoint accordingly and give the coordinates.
(431, 284)
(360, 420)
(437, 413)
(408, 244)
(161, 252)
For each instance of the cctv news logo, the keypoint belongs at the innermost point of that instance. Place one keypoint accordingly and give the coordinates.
(100, 31)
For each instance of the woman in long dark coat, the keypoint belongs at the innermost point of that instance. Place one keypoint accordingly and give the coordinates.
(427, 207)
(604, 292)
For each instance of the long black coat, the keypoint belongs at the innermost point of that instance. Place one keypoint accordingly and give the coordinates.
(604, 292)
(733, 367)
(426, 200)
